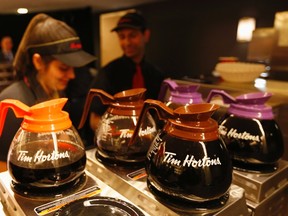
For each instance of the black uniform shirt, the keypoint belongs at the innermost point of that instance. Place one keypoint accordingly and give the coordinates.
(117, 76)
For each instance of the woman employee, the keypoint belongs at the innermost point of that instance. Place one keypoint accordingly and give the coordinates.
(44, 64)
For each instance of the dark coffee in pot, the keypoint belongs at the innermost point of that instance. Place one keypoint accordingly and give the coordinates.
(254, 145)
(48, 170)
(198, 173)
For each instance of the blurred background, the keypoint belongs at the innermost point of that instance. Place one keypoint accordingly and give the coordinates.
(188, 36)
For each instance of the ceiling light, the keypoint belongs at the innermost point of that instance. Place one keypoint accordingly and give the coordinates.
(280, 23)
(245, 29)
(22, 10)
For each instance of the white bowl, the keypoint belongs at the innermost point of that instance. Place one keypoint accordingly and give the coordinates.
(239, 71)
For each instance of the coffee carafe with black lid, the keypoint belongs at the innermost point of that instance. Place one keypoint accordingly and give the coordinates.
(251, 134)
(117, 125)
(46, 158)
(187, 161)
(178, 95)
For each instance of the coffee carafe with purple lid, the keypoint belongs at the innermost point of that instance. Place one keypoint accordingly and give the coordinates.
(187, 162)
(174, 95)
(251, 134)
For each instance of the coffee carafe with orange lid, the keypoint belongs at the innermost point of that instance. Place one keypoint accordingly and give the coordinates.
(46, 158)
(117, 125)
(187, 162)
(250, 131)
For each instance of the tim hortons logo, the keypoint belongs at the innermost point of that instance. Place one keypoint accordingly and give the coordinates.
(233, 133)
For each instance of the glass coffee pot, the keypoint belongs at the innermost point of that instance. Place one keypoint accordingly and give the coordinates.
(251, 134)
(187, 162)
(178, 95)
(117, 126)
(46, 158)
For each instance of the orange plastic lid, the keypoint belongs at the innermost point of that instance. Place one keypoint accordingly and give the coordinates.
(47, 116)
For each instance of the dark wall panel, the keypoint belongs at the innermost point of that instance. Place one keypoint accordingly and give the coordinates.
(188, 36)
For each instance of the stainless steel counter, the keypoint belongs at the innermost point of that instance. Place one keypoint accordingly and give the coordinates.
(16, 205)
(131, 183)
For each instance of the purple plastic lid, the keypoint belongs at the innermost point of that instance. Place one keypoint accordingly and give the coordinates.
(177, 89)
(185, 98)
(256, 98)
(250, 105)
(253, 111)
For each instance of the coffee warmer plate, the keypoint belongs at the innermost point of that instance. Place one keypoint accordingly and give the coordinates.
(266, 194)
(131, 183)
(16, 205)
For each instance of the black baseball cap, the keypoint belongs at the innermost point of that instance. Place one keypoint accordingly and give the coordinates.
(132, 20)
(69, 51)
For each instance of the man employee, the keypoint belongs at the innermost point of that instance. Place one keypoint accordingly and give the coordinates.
(132, 69)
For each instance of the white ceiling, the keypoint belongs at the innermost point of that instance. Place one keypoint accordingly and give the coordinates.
(34, 6)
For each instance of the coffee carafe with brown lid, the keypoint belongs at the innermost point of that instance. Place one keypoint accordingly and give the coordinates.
(117, 126)
(46, 158)
(187, 161)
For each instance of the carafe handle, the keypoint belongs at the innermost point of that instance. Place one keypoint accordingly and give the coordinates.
(20, 110)
(105, 98)
(227, 99)
(163, 112)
